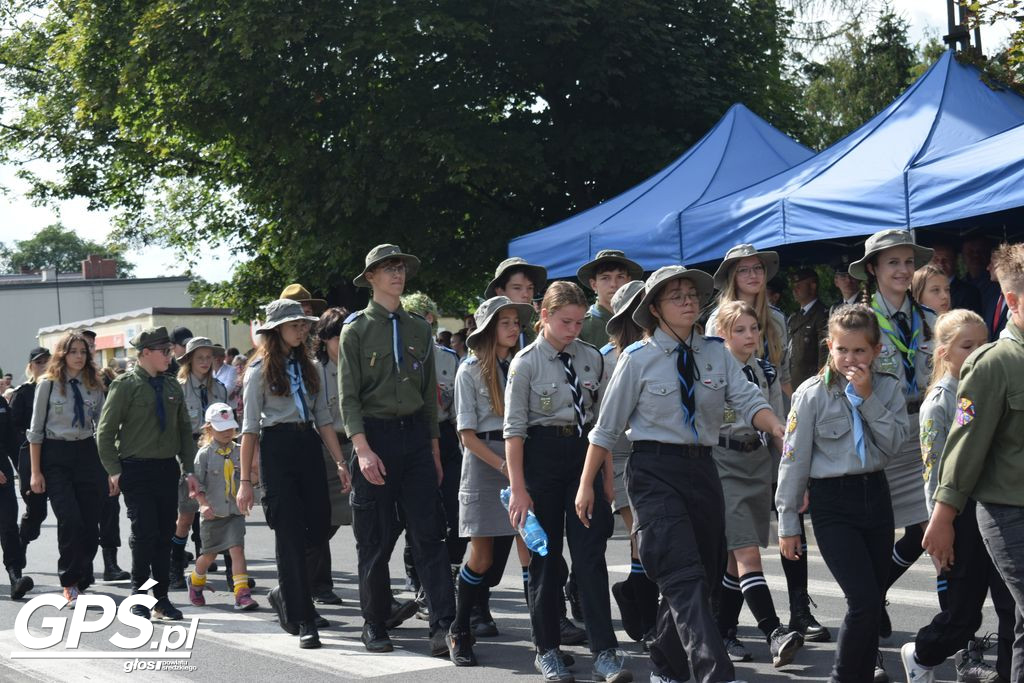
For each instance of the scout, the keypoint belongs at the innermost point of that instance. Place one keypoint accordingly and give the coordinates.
(10, 541)
(310, 306)
(888, 265)
(984, 455)
(520, 282)
(144, 426)
(388, 394)
(609, 270)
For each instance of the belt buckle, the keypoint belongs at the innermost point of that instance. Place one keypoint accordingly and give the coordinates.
(566, 430)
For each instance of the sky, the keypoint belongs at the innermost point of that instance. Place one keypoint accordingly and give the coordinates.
(20, 219)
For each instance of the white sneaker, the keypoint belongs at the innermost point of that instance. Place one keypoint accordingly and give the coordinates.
(916, 673)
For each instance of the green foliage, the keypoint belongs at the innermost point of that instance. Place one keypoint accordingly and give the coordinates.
(1007, 64)
(305, 133)
(55, 246)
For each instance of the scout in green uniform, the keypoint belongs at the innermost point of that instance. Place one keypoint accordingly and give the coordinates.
(143, 428)
(609, 270)
(388, 396)
(520, 282)
(984, 455)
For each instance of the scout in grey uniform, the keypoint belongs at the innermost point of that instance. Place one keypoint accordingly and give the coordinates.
(845, 425)
(201, 389)
(637, 596)
(670, 389)
(285, 409)
(65, 462)
(963, 588)
(890, 259)
(389, 406)
(551, 400)
(604, 275)
(479, 392)
(745, 469)
(520, 282)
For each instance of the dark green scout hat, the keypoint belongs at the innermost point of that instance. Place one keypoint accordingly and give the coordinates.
(386, 252)
(151, 337)
(587, 270)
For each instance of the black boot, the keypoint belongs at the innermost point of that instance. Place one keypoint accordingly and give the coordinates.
(801, 619)
(19, 584)
(177, 575)
(112, 572)
(481, 622)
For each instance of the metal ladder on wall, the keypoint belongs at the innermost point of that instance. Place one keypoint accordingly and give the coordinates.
(98, 308)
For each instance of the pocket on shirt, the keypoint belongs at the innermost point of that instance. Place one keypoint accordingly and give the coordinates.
(659, 399)
(1015, 401)
(834, 429)
(544, 398)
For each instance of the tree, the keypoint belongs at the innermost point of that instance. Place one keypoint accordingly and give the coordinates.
(55, 246)
(857, 80)
(305, 133)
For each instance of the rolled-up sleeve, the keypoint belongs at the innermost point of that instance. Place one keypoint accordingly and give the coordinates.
(321, 411)
(252, 399)
(795, 466)
(517, 399)
(887, 421)
(465, 399)
(36, 431)
(620, 399)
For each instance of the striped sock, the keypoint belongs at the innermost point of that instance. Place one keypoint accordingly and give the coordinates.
(941, 591)
(470, 583)
(759, 600)
(241, 581)
(178, 548)
(730, 604)
(526, 584)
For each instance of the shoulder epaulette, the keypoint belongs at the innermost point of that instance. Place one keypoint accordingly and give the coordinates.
(442, 347)
(607, 348)
(417, 315)
(256, 362)
(775, 308)
(351, 317)
(635, 346)
(714, 339)
(470, 360)
(587, 344)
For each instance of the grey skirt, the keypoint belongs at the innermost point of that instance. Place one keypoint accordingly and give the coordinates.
(905, 474)
(480, 510)
(747, 488)
(221, 533)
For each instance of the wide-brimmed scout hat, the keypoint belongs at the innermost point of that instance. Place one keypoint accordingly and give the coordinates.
(538, 274)
(283, 311)
(661, 277)
(624, 302)
(887, 239)
(194, 344)
(770, 259)
(297, 292)
(489, 310)
(386, 252)
(588, 269)
(151, 337)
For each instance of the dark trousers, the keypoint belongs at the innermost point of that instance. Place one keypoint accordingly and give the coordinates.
(403, 445)
(150, 489)
(110, 522)
(35, 503)
(292, 470)
(318, 564)
(679, 522)
(451, 465)
(552, 468)
(76, 485)
(1002, 530)
(10, 539)
(853, 524)
(969, 581)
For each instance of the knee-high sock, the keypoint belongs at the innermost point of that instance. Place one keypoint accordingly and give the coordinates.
(178, 548)
(729, 604)
(941, 588)
(905, 552)
(796, 570)
(759, 599)
(470, 584)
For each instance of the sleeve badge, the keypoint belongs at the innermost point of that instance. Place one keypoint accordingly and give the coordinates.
(964, 412)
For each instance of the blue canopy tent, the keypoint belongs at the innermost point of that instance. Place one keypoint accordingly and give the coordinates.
(739, 150)
(859, 185)
(984, 178)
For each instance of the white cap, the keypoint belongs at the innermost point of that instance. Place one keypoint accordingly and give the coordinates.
(221, 417)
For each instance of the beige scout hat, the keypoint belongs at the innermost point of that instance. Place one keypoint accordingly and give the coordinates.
(194, 344)
(386, 252)
(489, 310)
(624, 302)
(887, 239)
(770, 259)
(586, 271)
(538, 274)
(283, 311)
(661, 277)
(297, 292)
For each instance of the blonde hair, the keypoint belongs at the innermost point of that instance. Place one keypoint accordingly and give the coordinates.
(769, 332)
(206, 437)
(947, 329)
(559, 295)
(729, 313)
(1008, 264)
(920, 281)
(185, 369)
(851, 318)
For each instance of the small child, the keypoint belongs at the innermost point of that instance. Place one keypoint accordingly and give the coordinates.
(221, 526)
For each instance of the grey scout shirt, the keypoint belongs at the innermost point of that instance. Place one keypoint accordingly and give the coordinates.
(644, 392)
(889, 360)
(473, 400)
(373, 384)
(819, 442)
(537, 392)
(778, 319)
(62, 412)
(216, 393)
(264, 409)
(209, 471)
(446, 363)
(611, 358)
(734, 426)
(937, 412)
(329, 370)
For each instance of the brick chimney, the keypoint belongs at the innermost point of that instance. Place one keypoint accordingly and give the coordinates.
(99, 268)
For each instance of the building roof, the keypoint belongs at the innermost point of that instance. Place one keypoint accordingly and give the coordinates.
(128, 315)
(34, 281)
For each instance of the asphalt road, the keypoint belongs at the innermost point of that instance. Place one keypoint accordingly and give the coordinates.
(234, 646)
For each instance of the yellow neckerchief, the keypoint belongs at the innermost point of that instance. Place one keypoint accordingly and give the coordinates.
(230, 487)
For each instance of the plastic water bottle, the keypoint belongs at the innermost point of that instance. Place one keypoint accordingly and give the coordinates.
(532, 532)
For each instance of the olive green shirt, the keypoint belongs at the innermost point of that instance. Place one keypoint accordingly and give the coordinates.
(373, 384)
(129, 428)
(594, 323)
(984, 454)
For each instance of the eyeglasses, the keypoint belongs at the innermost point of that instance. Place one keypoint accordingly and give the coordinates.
(680, 299)
(395, 269)
(747, 271)
(166, 350)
